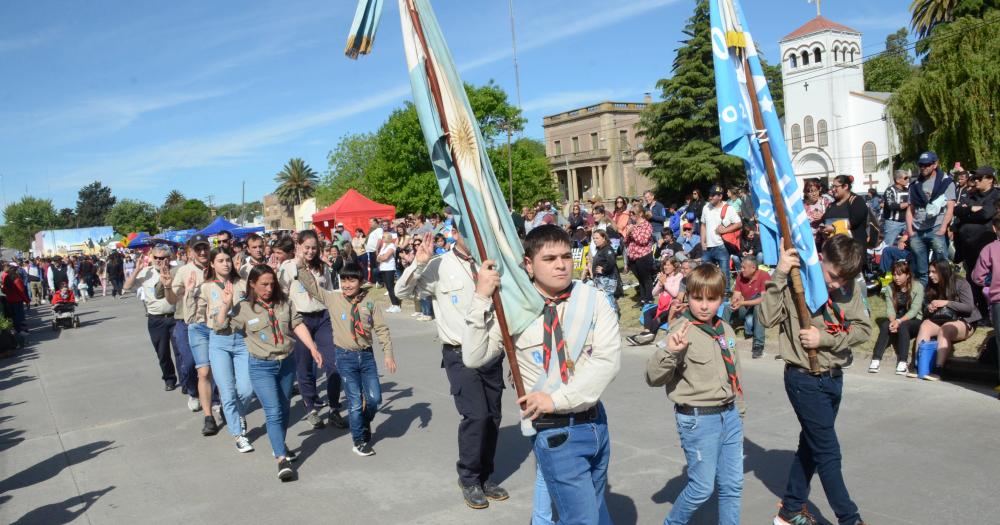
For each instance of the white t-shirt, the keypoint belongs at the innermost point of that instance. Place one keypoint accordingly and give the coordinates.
(373, 238)
(712, 219)
(388, 265)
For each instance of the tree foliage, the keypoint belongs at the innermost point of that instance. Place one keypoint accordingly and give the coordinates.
(192, 213)
(92, 204)
(346, 169)
(296, 182)
(232, 210)
(130, 215)
(174, 198)
(950, 104)
(887, 71)
(532, 180)
(24, 218)
(67, 218)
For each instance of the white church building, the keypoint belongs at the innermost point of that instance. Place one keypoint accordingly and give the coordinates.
(832, 125)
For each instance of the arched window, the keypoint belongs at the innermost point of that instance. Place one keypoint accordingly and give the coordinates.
(852, 55)
(817, 55)
(805, 58)
(810, 133)
(868, 157)
(824, 139)
(796, 139)
(836, 50)
(793, 61)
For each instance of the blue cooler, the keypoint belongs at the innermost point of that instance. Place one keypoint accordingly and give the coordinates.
(926, 353)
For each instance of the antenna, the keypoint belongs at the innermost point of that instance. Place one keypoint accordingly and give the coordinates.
(513, 44)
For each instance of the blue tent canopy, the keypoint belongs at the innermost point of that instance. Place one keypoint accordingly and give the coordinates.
(240, 233)
(217, 226)
(141, 240)
(175, 237)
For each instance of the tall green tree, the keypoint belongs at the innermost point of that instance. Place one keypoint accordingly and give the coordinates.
(950, 104)
(93, 203)
(232, 210)
(130, 215)
(192, 213)
(887, 71)
(67, 218)
(296, 182)
(348, 162)
(532, 179)
(174, 198)
(24, 218)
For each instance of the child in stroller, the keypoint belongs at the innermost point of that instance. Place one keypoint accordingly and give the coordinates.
(64, 306)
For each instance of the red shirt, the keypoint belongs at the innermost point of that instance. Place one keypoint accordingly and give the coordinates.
(751, 288)
(639, 241)
(13, 287)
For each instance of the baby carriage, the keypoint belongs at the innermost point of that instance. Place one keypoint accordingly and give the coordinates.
(64, 307)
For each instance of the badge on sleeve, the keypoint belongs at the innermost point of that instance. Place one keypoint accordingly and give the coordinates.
(536, 356)
(343, 317)
(454, 299)
(732, 343)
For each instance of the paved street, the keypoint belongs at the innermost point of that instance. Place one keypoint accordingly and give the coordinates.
(87, 434)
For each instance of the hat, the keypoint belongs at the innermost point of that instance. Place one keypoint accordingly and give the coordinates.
(716, 190)
(985, 171)
(197, 239)
(688, 226)
(340, 225)
(927, 158)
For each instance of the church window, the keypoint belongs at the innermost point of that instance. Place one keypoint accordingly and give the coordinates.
(852, 55)
(808, 124)
(836, 50)
(817, 55)
(793, 61)
(796, 139)
(868, 157)
(824, 139)
(805, 58)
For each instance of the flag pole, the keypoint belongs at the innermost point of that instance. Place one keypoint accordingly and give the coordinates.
(432, 81)
(777, 197)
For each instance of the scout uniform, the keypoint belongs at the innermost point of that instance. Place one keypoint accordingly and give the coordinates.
(186, 362)
(159, 322)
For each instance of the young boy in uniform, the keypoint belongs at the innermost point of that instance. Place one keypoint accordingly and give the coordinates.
(701, 372)
(567, 357)
(837, 327)
(353, 320)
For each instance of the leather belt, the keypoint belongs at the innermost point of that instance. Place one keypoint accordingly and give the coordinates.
(160, 315)
(689, 410)
(549, 421)
(833, 372)
(454, 348)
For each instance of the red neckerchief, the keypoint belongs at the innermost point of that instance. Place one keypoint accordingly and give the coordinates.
(553, 337)
(717, 332)
(279, 338)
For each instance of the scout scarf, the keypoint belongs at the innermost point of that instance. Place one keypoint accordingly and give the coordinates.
(359, 328)
(279, 338)
(717, 332)
(553, 337)
(834, 319)
(468, 259)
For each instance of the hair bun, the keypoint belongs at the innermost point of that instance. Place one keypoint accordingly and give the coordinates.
(850, 178)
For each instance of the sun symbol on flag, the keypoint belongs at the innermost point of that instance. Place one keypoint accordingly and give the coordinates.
(463, 140)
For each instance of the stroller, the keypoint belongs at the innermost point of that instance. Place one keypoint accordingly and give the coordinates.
(64, 307)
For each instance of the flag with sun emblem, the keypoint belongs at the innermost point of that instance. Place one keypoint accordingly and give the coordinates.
(457, 149)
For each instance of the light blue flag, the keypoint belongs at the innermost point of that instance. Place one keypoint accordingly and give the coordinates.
(459, 157)
(362, 35)
(731, 40)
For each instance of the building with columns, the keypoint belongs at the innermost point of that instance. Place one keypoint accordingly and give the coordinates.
(832, 125)
(594, 151)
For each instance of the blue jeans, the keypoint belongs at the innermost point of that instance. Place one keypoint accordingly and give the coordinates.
(427, 306)
(920, 244)
(891, 230)
(713, 447)
(197, 335)
(720, 256)
(318, 325)
(541, 512)
(186, 375)
(751, 323)
(574, 462)
(816, 401)
(16, 312)
(360, 374)
(231, 371)
(272, 382)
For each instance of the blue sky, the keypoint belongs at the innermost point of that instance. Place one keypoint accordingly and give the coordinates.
(200, 96)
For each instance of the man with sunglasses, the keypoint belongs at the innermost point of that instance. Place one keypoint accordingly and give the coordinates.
(895, 200)
(159, 312)
(931, 205)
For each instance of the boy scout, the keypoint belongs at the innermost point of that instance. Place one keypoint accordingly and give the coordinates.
(353, 320)
(567, 357)
(701, 372)
(840, 325)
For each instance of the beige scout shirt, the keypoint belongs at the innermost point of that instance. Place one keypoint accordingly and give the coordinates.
(697, 375)
(156, 302)
(180, 278)
(341, 322)
(253, 322)
(834, 349)
(597, 366)
(206, 301)
(448, 280)
(248, 265)
(304, 303)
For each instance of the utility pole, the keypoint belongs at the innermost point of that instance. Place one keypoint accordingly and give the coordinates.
(513, 44)
(243, 205)
(510, 167)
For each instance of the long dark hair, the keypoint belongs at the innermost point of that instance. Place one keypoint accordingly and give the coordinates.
(277, 294)
(897, 292)
(315, 264)
(945, 287)
(234, 274)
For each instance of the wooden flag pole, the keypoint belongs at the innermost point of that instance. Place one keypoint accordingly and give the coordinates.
(432, 80)
(777, 197)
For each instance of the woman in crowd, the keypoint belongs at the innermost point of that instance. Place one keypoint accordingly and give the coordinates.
(815, 208)
(116, 273)
(604, 267)
(666, 291)
(336, 262)
(358, 242)
(950, 315)
(387, 267)
(620, 216)
(576, 218)
(227, 351)
(848, 213)
(403, 238)
(904, 300)
(267, 320)
(639, 251)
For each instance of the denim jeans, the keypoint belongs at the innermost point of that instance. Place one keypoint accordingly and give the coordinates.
(816, 401)
(920, 244)
(720, 256)
(230, 369)
(541, 511)
(576, 469)
(198, 334)
(305, 367)
(272, 382)
(891, 230)
(427, 306)
(751, 323)
(186, 375)
(713, 447)
(360, 374)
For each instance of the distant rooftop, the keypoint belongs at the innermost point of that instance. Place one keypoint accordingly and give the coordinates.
(601, 107)
(817, 25)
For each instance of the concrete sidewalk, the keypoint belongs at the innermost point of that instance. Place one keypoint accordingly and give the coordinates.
(87, 434)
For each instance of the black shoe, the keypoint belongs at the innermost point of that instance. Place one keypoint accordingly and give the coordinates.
(289, 455)
(800, 517)
(474, 496)
(337, 420)
(757, 353)
(170, 387)
(368, 432)
(314, 419)
(494, 492)
(211, 428)
(285, 470)
(362, 448)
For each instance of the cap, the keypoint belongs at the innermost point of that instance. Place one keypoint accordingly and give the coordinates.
(927, 158)
(340, 225)
(985, 171)
(716, 190)
(197, 239)
(688, 226)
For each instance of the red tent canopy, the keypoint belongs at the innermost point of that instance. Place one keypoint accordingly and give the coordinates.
(353, 209)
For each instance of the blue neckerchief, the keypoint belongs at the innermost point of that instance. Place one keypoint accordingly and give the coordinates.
(917, 197)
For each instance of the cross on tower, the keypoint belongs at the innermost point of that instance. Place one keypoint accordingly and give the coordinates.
(806, 85)
(871, 182)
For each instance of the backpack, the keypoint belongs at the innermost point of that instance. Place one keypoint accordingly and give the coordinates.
(732, 239)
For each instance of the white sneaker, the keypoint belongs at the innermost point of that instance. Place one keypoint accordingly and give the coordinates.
(393, 310)
(194, 404)
(901, 368)
(874, 367)
(415, 314)
(243, 445)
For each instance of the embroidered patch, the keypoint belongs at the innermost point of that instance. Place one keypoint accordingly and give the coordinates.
(732, 343)
(343, 317)
(263, 337)
(215, 295)
(536, 357)
(454, 299)
(253, 321)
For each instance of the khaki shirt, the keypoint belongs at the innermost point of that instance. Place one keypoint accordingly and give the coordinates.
(206, 301)
(156, 302)
(341, 322)
(252, 321)
(180, 278)
(448, 281)
(288, 277)
(596, 367)
(697, 375)
(834, 349)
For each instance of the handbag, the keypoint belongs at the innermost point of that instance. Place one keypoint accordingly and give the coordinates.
(732, 239)
(943, 315)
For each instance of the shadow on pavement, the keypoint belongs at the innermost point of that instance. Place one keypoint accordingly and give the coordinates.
(621, 508)
(51, 467)
(512, 450)
(60, 513)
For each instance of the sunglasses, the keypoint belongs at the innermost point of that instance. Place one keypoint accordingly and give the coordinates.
(164, 258)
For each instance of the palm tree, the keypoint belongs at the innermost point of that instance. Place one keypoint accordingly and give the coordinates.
(174, 198)
(926, 14)
(297, 182)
